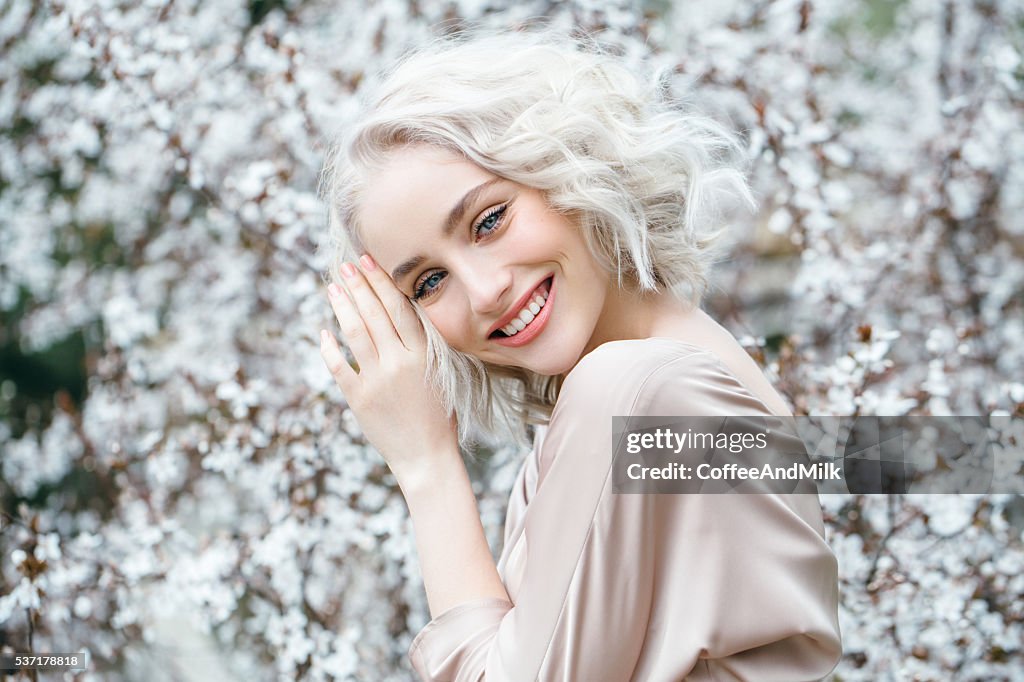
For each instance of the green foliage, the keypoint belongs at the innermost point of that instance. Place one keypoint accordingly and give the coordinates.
(259, 9)
(37, 377)
(879, 16)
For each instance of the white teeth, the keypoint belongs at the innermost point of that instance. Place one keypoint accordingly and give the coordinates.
(526, 315)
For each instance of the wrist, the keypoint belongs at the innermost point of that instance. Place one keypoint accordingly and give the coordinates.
(431, 472)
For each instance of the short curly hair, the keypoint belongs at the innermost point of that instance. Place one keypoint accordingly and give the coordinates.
(647, 181)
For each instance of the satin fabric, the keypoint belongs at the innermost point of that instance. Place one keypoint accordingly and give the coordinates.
(643, 587)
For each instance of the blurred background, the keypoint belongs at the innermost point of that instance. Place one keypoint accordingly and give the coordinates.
(183, 495)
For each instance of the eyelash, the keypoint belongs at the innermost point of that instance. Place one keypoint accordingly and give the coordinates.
(419, 291)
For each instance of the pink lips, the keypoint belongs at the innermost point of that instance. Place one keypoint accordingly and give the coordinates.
(535, 327)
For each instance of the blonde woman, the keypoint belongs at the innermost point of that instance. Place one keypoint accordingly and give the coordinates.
(522, 229)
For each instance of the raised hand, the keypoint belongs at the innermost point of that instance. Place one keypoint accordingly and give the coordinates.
(396, 407)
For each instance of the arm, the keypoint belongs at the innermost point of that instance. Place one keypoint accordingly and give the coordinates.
(454, 557)
(421, 448)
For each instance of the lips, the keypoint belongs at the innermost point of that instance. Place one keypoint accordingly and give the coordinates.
(525, 332)
(522, 305)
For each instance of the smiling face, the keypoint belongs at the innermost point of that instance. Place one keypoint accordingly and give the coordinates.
(500, 275)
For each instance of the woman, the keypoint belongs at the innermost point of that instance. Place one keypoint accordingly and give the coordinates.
(533, 224)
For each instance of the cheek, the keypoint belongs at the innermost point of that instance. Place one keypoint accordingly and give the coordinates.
(450, 321)
(548, 234)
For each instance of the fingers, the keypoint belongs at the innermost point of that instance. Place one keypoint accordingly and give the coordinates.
(337, 364)
(398, 308)
(386, 313)
(353, 326)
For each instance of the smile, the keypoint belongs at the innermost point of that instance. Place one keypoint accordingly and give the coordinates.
(530, 319)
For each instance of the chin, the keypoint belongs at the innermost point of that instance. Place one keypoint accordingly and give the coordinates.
(552, 355)
(549, 371)
(554, 364)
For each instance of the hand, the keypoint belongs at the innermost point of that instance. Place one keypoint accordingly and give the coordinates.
(394, 403)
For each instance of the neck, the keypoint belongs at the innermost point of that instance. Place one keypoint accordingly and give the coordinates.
(630, 313)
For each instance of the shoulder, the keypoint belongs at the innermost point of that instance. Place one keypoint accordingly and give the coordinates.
(654, 376)
(632, 361)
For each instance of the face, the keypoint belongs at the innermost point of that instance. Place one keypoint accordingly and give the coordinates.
(502, 276)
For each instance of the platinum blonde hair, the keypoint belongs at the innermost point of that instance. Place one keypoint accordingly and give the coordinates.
(646, 181)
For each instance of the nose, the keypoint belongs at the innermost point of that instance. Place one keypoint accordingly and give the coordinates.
(488, 286)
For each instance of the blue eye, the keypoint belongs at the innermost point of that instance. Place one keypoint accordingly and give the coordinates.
(428, 284)
(490, 222)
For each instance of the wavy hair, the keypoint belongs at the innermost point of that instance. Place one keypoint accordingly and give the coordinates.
(647, 181)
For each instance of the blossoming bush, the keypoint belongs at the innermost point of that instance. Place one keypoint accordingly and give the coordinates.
(183, 493)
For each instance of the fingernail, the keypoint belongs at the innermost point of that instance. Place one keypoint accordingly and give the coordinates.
(323, 336)
(348, 269)
(334, 289)
(367, 262)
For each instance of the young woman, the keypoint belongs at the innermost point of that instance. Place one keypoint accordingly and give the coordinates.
(533, 224)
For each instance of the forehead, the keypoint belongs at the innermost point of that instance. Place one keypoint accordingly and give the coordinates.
(408, 197)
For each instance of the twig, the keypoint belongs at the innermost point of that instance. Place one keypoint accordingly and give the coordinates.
(31, 631)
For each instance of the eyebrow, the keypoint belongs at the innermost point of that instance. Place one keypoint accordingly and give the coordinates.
(455, 217)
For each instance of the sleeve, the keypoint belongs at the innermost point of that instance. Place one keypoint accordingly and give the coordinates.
(644, 586)
(522, 491)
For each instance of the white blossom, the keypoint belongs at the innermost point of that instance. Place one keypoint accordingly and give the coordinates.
(158, 206)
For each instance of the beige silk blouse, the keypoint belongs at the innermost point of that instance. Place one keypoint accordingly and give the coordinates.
(643, 587)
